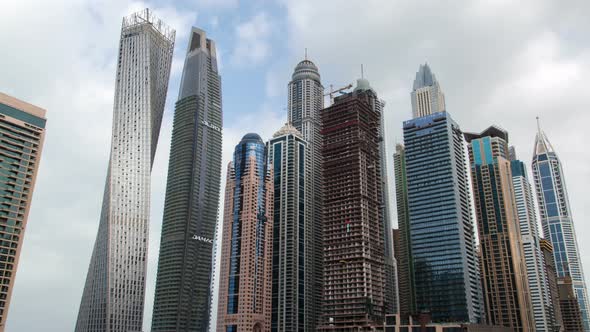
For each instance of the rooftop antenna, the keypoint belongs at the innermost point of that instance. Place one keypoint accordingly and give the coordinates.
(306, 53)
(362, 71)
(538, 125)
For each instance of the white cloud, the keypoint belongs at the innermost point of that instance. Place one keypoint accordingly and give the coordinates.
(498, 62)
(252, 41)
(61, 57)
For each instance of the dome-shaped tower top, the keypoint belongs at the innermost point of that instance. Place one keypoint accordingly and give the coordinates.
(287, 129)
(252, 137)
(306, 69)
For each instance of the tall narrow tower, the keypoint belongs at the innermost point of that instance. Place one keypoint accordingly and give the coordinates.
(354, 266)
(22, 132)
(446, 268)
(246, 254)
(427, 96)
(503, 269)
(113, 296)
(543, 310)
(306, 100)
(182, 299)
(405, 267)
(292, 232)
(556, 219)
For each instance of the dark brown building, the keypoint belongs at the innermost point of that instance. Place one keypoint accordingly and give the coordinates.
(547, 250)
(354, 266)
(568, 303)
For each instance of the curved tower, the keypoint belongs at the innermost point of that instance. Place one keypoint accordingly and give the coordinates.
(556, 219)
(114, 292)
(182, 298)
(306, 100)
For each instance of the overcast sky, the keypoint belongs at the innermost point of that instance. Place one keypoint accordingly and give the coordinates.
(498, 62)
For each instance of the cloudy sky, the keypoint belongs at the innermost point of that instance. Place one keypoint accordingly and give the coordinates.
(499, 62)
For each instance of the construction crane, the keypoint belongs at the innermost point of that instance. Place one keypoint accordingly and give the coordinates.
(333, 92)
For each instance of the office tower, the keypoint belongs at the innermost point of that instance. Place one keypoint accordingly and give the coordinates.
(551, 274)
(292, 232)
(503, 270)
(22, 132)
(182, 297)
(568, 303)
(427, 96)
(354, 266)
(113, 296)
(542, 307)
(246, 254)
(403, 250)
(446, 267)
(556, 218)
(306, 100)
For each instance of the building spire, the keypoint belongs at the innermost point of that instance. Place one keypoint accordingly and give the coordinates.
(542, 144)
(362, 71)
(306, 53)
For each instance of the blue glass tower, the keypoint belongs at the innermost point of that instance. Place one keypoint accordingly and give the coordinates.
(556, 219)
(446, 268)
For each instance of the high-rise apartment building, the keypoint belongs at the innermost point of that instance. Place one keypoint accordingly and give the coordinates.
(446, 267)
(427, 96)
(553, 290)
(306, 100)
(556, 219)
(292, 232)
(354, 266)
(182, 299)
(403, 252)
(113, 297)
(22, 132)
(542, 308)
(503, 270)
(246, 254)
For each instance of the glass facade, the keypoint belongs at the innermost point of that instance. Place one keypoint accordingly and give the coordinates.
(446, 268)
(292, 230)
(556, 219)
(183, 286)
(306, 99)
(503, 271)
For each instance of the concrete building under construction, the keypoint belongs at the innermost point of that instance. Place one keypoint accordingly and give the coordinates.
(354, 266)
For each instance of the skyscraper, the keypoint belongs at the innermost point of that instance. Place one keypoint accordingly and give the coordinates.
(403, 252)
(354, 266)
(556, 219)
(446, 273)
(503, 270)
(22, 132)
(246, 253)
(427, 96)
(292, 232)
(306, 100)
(365, 91)
(183, 296)
(544, 316)
(113, 296)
